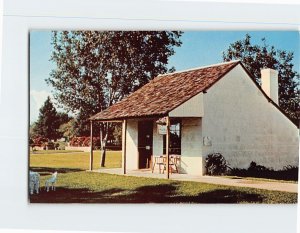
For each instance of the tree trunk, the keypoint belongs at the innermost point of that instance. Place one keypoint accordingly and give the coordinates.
(103, 151)
(103, 146)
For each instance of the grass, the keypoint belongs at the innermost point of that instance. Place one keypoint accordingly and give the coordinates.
(75, 185)
(53, 151)
(78, 160)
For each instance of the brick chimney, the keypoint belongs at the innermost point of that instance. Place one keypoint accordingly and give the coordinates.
(269, 83)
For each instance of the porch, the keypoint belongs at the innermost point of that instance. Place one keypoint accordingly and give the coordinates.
(147, 173)
(145, 142)
(149, 130)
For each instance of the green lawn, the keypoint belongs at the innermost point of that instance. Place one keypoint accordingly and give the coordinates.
(73, 160)
(75, 185)
(53, 151)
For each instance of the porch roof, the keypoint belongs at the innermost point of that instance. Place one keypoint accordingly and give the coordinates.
(165, 92)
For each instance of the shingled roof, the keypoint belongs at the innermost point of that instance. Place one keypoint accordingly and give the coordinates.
(165, 92)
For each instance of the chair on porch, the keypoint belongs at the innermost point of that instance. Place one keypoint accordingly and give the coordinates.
(158, 160)
(173, 163)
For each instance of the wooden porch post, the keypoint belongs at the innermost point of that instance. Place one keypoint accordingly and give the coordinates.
(91, 151)
(168, 145)
(124, 129)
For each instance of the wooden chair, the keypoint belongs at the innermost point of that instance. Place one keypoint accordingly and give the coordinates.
(173, 162)
(159, 160)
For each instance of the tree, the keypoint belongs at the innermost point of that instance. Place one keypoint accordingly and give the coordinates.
(117, 134)
(95, 69)
(82, 124)
(69, 129)
(63, 118)
(32, 131)
(48, 122)
(256, 57)
(31, 144)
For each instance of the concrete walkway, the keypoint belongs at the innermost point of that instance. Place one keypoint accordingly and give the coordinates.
(239, 182)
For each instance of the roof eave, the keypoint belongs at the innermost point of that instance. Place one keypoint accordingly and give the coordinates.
(121, 118)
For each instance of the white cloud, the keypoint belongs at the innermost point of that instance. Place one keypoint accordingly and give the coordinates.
(40, 97)
(37, 99)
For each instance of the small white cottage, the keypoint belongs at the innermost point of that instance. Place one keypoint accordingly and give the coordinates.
(217, 108)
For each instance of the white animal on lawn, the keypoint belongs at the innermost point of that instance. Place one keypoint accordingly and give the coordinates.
(51, 182)
(34, 182)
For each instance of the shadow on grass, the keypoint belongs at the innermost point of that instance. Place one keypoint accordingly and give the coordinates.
(44, 171)
(166, 193)
(66, 195)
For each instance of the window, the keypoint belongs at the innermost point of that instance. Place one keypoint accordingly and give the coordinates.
(175, 138)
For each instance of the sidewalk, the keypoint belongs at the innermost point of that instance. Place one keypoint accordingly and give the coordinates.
(242, 182)
(238, 182)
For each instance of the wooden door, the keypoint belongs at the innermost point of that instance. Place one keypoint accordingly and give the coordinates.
(145, 143)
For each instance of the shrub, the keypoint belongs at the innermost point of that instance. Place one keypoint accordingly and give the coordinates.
(257, 168)
(84, 141)
(49, 145)
(216, 164)
(39, 141)
(56, 146)
(62, 145)
(287, 173)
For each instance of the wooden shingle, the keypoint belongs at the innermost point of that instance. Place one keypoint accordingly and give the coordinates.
(165, 92)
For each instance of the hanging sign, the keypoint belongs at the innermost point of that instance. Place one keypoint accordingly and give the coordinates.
(162, 129)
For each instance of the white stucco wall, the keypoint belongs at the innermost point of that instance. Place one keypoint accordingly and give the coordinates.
(191, 146)
(245, 127)
(191, 108)
(131, 145)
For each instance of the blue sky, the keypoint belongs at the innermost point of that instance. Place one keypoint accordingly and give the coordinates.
(198, 48)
